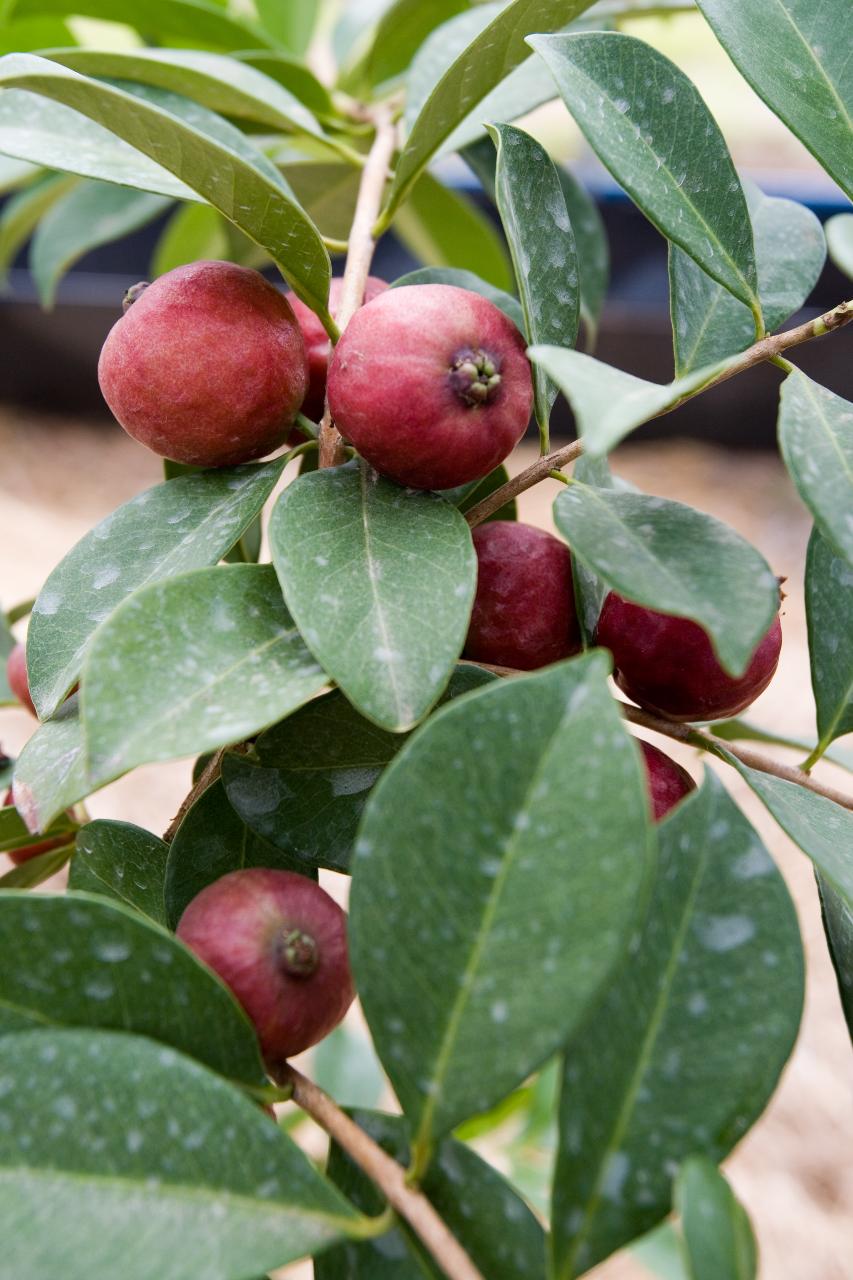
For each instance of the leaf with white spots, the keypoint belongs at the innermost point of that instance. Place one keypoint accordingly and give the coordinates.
(222, 659)
(187, 523)
(517, 874)
(85, 961)
(380, 581)
(489, 1219)
(686, 1048)
(124, 862)
(718, 1238)
(829, 610)
(649, 126)
(672, 558)
(816, 440)
(838, 926)
(839, 239)
(123, 1157)
(50, 772)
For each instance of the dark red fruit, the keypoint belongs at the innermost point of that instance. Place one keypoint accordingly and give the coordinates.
(318, 348)
(668, 782)
(207, 367)
(667, 664)
(524, 610)
(279, 942)
(431, 385)
(18, 856)
(16, 674)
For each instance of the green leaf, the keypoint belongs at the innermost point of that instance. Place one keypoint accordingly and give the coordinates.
(14, 833)
(193, 233)
(187, 523)
(444, 229)
(675, 559)
(488, 1218)
(293, 74)
(289, 24)
(517, 874)
(85, 961)
(793, 54)
(838, 925)
(33, 33)
(738, 730)
(305, 788)
(121, 861)
(718, 1238)
(839, 238)
(212, 841)
(346, 1066)
(86, 217)
(607, 403)
(709, 324)
(466, 280)
(592, 249)
(38, 869)
(661, 1253)
(193, 20)
(120, 1155)
(327, 193)
(398, 36)
(648, 125)
(542, 244)
(22, 212)
(226, 85)
(816, 440)
(7, 644)
(688, 1044)
(50, 773)
(466, 496)
(222, 659)
(214, 169)
(478, 68)
(380, 581)
(590, 591)
(829, 610)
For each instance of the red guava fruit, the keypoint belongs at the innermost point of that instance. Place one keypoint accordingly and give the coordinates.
(524, 610)
(28, 851)
(279, 942)
(431, 385)
(207, 366)
(318, 348)
(16, 674)
(667, 664)
(667, 781)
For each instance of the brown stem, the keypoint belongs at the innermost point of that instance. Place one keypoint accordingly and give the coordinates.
(766, 349)
(374, 175)
(390, 1177)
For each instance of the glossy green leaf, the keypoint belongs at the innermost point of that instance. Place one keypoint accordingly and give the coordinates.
(592, 249)
(118, 860)
(187, 523)
(710, 324)
(85, 218)
(212, 841)
(816, 440)
(202, 23)
(84, 961)
(50, 772)
(33, 33)
(393, 570)
(327, 193)
(609, 404)
(795, 55)
(838, 925)
(718, 1239)
(227, 85)
(686, 1048)
(829, 610)
(38, 869)
(839, 238)
(193, 233)
(542, 244)
(647, 123)
(675, 559)
(466, 280)
(222, 660)
(517, 874)
(22, 212)
(492, 1223)
(120, 1154)
(290, 24)
(305, 787)
(479, 67)
(590, 590)
(444, 229)
(243, 191)
(293, 74)
(398, 36)
(346, 1066)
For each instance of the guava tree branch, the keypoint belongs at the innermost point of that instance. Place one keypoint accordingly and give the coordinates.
(390, 1177)
(360, 253)
(769, 348)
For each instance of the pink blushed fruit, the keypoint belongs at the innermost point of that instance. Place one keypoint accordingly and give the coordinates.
(667, 664)
(431, 385)
(279, 942)
(207, 367)
(19, 856)
(318, 348)
(524, 610)
(667, 781)
(16, 674)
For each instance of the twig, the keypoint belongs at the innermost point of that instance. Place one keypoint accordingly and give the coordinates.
(206, 778)
(360, 255)
(390, 1177)
(766, 349)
